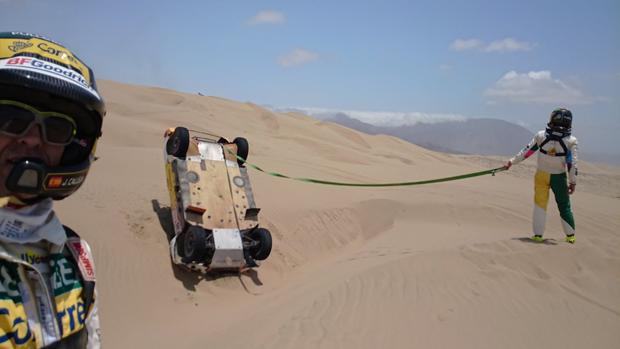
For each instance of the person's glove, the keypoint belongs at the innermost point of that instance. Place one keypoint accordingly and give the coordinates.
(571, 188)
(508, 164)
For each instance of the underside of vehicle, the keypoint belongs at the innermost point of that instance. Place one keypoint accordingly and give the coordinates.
(215, 218)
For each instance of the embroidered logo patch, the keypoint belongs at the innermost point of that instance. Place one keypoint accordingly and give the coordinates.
(81, 252)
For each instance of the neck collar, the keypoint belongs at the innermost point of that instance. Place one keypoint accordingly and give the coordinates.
(30, 223)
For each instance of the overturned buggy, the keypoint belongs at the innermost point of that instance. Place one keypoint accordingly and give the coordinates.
(214, 215)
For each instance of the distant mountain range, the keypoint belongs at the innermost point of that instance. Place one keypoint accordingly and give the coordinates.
(472, 136)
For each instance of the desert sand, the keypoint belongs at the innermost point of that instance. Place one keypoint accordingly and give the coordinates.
(437, 266)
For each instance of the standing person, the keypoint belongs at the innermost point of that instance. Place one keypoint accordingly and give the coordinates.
(50, 119)
(557, 155)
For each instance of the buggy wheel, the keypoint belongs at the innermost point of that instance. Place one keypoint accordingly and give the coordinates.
(178, 143)
(263, 249)
(243, 148)
(192, 245)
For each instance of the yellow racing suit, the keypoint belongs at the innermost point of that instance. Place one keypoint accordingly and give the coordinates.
(47, 297)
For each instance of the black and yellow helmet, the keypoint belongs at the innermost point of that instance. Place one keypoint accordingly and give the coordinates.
(42, 73)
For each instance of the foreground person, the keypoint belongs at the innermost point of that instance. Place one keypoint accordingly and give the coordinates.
(50, 120)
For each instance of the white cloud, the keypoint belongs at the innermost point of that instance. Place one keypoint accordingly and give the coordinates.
(380, 118)
(537, 87)
(504, 45)
(466, 44)
(445, 67)
(509, 45)
(267, 17)
(298, 56)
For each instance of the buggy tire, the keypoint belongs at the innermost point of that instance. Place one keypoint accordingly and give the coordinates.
(243, 149)
(263, 249)
(178, 143)
(192, 245)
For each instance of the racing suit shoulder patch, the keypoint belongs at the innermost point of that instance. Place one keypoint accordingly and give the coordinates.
(83, 256)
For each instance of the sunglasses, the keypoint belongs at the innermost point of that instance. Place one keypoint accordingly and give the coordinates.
(17, 118)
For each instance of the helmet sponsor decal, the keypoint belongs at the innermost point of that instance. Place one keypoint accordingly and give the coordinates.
(49, 69)
(58, 52)
(44, 48)
(19, 45)
(65, 181)
(33, 36)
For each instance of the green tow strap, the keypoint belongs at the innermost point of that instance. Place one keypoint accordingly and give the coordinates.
(397, 184)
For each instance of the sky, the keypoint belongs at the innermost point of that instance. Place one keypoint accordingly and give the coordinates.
(381, 61)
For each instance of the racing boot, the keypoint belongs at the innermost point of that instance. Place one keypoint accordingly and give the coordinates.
(537, 238)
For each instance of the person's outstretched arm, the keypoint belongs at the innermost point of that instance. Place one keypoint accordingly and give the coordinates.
(525, 153)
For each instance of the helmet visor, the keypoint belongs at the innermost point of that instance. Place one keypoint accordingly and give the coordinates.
(561, 118)
(17, 118)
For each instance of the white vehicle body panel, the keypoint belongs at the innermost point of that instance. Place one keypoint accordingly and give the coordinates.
(228, 249)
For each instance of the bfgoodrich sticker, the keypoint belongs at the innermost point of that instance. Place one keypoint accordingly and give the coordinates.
(47, 68)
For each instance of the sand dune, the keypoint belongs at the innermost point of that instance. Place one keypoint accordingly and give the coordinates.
(439, 266)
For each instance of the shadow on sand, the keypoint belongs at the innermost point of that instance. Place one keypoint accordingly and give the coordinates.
(528, 240)
(165, 218)
(188, 277)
